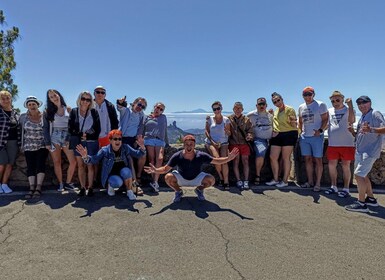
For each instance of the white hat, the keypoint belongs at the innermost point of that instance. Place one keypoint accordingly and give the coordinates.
(32, 98)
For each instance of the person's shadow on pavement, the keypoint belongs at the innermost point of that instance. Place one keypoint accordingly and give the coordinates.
(200, 208)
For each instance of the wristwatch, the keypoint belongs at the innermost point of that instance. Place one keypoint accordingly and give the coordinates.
(320, 130)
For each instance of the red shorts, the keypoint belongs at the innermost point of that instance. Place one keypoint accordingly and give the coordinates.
(104, 141)
(244, 149)
(340, 153)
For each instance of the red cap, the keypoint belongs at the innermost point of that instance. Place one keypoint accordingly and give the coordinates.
(308, 89)
(188, 137)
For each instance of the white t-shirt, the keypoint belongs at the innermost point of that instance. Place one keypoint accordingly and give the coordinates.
(217, 131)
(311, 116)
(338, 131)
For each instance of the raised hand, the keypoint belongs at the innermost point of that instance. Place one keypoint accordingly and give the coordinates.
(81, 150)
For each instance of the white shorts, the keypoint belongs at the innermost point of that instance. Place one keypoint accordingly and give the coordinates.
(197, 181)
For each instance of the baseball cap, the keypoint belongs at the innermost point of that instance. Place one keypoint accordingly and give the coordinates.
(261, 100)
(100, 87)
(308, 89)
(363, 98)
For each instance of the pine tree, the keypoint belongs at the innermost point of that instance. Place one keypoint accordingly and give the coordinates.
(7, 58)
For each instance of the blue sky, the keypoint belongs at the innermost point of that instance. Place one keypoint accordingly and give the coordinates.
(191, 53)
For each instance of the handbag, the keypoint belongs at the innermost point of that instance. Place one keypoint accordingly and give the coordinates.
(76, 139)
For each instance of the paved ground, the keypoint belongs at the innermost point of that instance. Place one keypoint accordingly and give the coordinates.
(258, 234)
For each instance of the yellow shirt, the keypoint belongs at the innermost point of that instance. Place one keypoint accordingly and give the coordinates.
(281, 120)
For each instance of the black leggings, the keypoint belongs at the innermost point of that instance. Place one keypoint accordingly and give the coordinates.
(36, 161)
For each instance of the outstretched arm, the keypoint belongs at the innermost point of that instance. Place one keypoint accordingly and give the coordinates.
(221, 160)
(158, 170)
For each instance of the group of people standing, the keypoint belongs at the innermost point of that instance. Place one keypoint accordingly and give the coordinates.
(82, 133)
(93, 132)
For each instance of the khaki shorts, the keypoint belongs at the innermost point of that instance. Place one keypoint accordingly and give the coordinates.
(9, 153)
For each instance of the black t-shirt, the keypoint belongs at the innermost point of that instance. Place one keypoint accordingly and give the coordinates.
(13, 126)
(189, 169)
(118, 163)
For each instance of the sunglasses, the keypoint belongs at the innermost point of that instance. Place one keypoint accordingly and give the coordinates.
(335, 100)
(307, 94)
(86, 99)
(276, 101)
(159, 108)
(100, 92)
(362, 102)
(261, 104)
(140, 105)
(216, 109)
(117, 139)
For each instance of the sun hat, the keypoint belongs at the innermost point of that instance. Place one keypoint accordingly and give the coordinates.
(32, 98)
(336, 93)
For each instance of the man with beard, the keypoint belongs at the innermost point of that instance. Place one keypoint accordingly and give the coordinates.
(189, 163)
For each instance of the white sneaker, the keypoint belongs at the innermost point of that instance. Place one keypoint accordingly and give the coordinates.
(272, 183)
(6, 189)
(61, 187)
(246, 185)
(1, 189)
(131, 195)
(155, 186)
(281, 184)
(111, 191)
(239, 184)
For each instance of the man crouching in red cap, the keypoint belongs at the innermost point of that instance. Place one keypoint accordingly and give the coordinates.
(189, 163)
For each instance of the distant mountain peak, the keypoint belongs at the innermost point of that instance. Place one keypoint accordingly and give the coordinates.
(193, 111)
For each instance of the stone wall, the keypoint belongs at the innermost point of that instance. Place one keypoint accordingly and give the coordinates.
(298, 174)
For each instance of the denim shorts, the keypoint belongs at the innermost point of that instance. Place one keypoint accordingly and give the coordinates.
(154, 142)
(59, 136)
(363, 164)
(9, 153)
(92, 147)
(261, 146)
(312, 146)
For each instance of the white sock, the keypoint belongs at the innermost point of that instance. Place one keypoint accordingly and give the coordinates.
(334, 187)
(345, 190)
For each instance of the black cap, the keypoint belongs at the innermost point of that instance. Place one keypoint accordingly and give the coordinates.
(363, 98)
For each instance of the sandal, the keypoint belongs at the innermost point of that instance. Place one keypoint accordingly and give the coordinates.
(257, 180)
(331, 191)
(306, 186)
(139, 191)
(36, 194)
(29, 194)
(317, 189)
(226, 186)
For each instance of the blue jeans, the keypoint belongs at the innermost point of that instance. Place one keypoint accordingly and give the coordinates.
(116, 181)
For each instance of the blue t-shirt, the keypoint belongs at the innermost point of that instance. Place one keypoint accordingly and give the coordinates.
(189, 169)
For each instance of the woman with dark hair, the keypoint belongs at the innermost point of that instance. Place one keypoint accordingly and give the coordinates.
(57, 114)
(84, 129)
(217, 133)
(9, 139)
(285, 136)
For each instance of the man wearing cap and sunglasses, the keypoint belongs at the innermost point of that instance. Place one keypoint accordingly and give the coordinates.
(340, 141)
(368, 149)
(313, 120)
(189, 163)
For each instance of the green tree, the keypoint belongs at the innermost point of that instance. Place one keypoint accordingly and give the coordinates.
(7, 58)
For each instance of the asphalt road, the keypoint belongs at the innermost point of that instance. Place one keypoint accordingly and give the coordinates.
(257, 234)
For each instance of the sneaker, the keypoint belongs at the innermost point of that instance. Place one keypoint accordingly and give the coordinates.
(332, 190)
(1, 189)
(61, 187)
(178, 196)
(69, 186)
(200, 194)
(370, 201)
(90, 192)
(272, 183)
(6, 189)
(131, 195)
(240, 184)
(155, 186)
(281, 184)
(110, 190)
(82, 192)
(246, 185)
(121, 190)
(226, 186)
(357, 207)
(344, 194)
